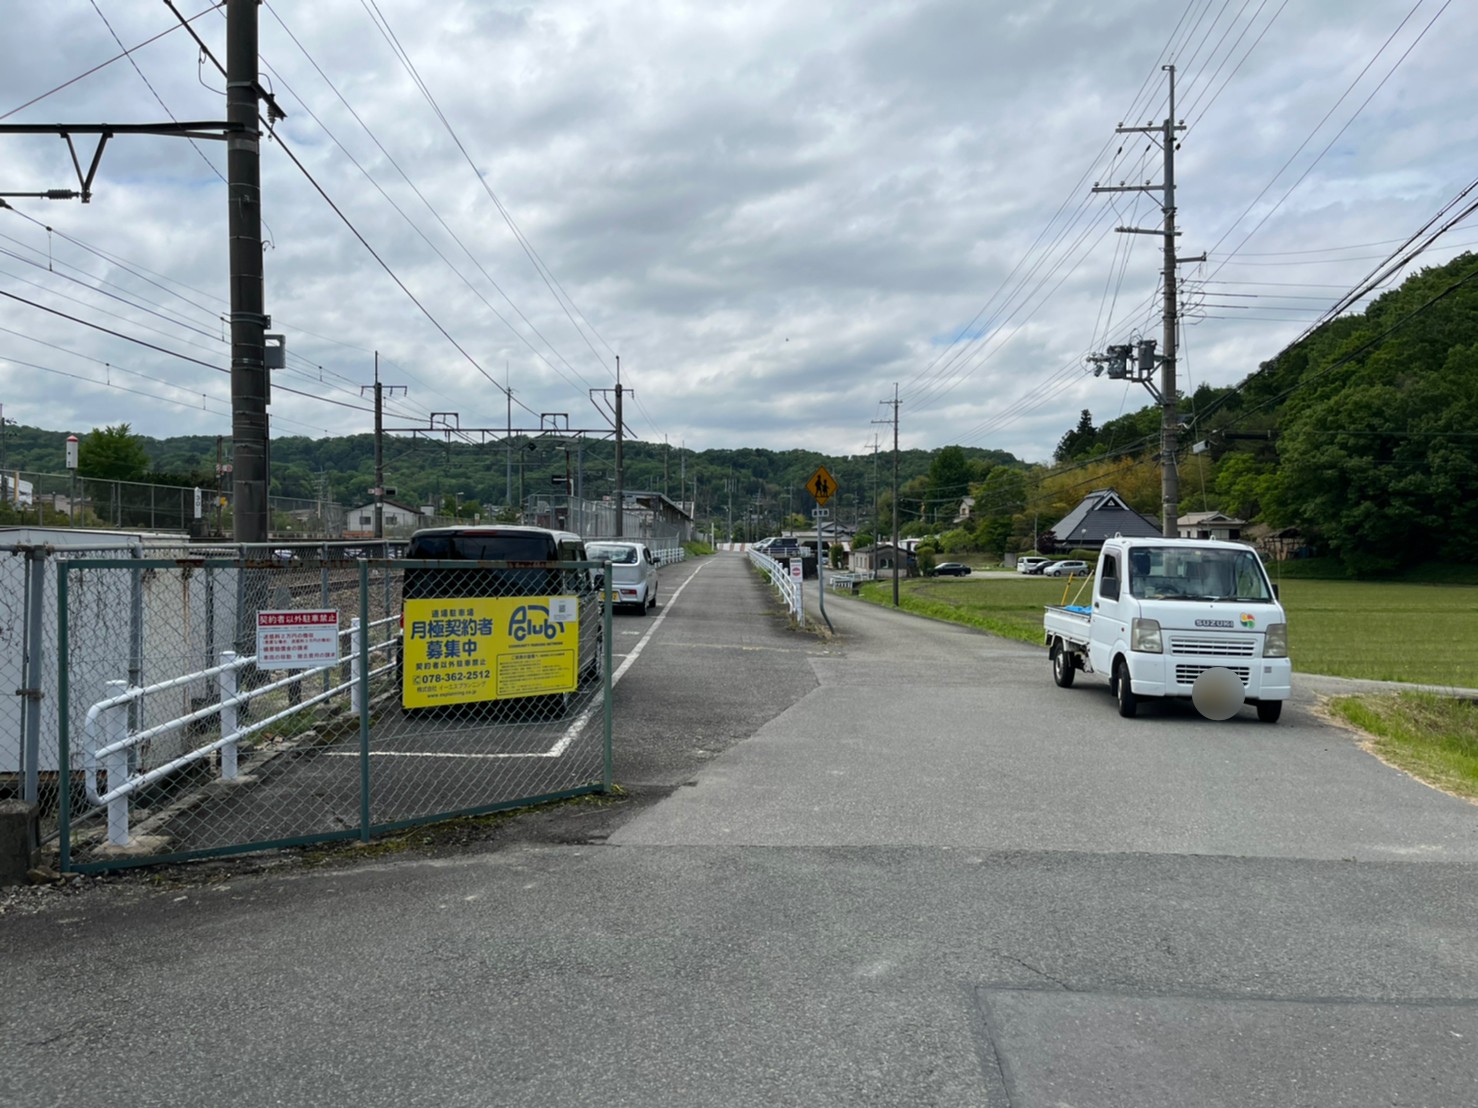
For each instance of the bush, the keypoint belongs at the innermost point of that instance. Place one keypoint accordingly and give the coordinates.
(958, 541)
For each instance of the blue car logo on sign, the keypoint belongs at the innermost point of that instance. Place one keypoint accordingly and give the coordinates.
(521, 624)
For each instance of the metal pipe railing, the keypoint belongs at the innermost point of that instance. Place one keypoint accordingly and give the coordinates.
(787, 585)
(107, 721)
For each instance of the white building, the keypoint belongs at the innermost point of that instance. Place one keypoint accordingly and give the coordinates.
(360, 523)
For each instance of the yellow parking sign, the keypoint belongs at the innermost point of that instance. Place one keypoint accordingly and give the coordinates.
(466, 649)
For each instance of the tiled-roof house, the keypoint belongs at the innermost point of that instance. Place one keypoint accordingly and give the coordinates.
(1100, 515)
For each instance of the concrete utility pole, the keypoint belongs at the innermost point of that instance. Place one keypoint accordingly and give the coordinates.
(249, 379)
(620, 468)
(379, 489)
(894, 403)
(508, 438)
(1117, 357)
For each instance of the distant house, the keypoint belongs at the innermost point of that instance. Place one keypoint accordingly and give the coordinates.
(966, 512)
(398, 517)
(1100, 515)
(879, 559)
(1209, 525)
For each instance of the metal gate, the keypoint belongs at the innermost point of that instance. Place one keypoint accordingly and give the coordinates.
(287, 702)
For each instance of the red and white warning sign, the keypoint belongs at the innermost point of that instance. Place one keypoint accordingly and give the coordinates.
(297, 639)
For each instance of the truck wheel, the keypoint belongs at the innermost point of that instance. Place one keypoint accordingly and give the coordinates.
(1063, 670)
(1128, 702)
(1269, 710)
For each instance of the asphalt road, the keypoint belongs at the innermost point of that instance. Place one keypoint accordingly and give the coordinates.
(894, 867)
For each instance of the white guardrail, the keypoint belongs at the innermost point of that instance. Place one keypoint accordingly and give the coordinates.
(779, 575)
(109, 740)
(669, 554)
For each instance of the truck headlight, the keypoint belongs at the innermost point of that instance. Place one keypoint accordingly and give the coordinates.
(1144, 636)
(1275, 641)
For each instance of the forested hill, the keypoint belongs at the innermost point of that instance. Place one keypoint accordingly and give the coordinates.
(1364, 435)
(765, 483)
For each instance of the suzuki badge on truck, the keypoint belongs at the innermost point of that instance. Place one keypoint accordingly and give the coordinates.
(1188, 618)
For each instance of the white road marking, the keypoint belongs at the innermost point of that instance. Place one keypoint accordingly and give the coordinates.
(574, 728)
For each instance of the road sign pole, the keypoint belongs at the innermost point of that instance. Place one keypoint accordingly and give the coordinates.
(820, 574)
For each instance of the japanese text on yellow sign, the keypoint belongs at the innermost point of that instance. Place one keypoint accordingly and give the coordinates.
(462, 650)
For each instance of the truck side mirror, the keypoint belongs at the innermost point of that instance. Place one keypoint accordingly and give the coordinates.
(1276, 594)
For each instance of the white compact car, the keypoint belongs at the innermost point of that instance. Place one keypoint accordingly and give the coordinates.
(633, 572)
(1030, 563)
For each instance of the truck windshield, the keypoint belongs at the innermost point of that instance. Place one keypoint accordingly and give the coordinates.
(1189, 573)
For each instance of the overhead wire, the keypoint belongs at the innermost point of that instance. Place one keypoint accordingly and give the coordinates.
(383, 25)
(104, 64)
(422, 197)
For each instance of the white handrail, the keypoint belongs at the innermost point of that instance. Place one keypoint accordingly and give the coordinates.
(109, 717)
(779, 575)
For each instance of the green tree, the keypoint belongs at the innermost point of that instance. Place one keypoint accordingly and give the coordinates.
(1243, 484)
(112, 453)
(1079, 441)
(949, 482)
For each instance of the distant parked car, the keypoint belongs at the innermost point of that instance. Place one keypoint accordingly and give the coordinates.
(950, 569)
(1070, 567)
(633, 572)
(1031, 563)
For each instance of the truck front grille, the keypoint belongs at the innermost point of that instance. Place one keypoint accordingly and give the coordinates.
(1186, 673)
(1214, 646)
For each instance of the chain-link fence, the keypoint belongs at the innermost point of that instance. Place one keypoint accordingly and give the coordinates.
(208, 705)
(61, 500)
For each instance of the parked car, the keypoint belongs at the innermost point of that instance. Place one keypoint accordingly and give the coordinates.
(527, 547)
(950, 569)
(633, 572)
(1030, 563)
(1068, 567)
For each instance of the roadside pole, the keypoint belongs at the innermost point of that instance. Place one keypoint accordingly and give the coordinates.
(822, 487)
(821, 514)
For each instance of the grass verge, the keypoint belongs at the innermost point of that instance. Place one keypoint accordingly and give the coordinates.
(1424, 634)
(1433, 738)
(1011, 609)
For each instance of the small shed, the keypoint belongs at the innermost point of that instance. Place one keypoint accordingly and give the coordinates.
(879, 559)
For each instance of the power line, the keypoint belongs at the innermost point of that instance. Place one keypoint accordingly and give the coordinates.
(103, 65)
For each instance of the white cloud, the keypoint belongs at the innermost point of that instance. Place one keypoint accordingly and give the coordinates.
(773, 211)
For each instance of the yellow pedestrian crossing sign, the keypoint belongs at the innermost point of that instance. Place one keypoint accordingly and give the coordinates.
(822, 486)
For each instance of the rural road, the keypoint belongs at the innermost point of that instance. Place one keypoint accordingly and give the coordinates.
(897, 866)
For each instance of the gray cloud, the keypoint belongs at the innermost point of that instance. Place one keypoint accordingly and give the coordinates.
(773, 211)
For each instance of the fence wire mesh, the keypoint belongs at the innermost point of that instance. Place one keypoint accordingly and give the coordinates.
(185, 735)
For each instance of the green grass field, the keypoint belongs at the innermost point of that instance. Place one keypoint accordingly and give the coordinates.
(1387, 631)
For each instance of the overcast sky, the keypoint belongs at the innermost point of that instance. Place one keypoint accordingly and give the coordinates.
(772, 211)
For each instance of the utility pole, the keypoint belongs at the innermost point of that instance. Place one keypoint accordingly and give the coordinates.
(620, 469)
(617, 422)
(249, 377)
(894, 402)
(379, 489)
(1116, 358)
(508, 438)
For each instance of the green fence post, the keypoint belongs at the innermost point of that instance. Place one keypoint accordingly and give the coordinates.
(606, 682)
(364, 703)
(64, 719)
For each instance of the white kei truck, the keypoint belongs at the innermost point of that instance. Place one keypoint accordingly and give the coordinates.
(1189, 618)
